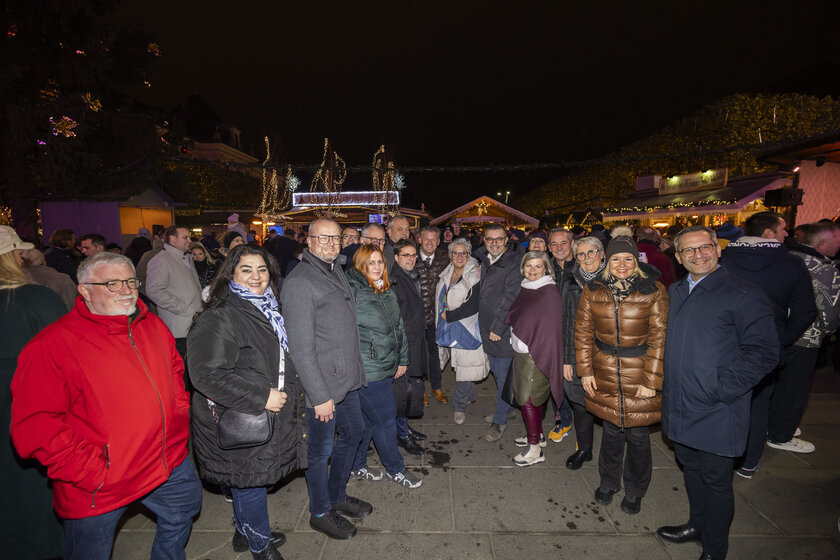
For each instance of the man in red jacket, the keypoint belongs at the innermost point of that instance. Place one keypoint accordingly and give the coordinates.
(98, 397)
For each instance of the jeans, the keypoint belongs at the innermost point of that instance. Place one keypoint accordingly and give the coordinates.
(638, 463)
(792, 392)
(379, 411)
(759, 415)
(250, 515)
(402, 427)
(500, 368)
(327, 484)
(175, 502)
(708, 483)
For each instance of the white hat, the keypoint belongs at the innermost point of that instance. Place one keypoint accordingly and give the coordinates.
(9, 241)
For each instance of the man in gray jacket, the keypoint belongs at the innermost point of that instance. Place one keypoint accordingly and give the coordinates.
(320, 316)
(172, 284)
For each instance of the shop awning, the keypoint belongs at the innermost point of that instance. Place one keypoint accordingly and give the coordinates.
(734, 197)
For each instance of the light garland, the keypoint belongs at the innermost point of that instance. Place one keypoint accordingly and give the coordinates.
(330, 176)
(93, 104)
(63, 126)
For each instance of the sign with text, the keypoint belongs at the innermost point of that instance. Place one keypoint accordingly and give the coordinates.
(710, 179)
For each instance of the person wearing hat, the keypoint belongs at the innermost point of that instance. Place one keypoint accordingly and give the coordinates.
(30, 528)
(727, 232)
(620, 344)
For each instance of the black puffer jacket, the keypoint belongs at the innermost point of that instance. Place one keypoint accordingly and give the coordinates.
(233, 357)
(429, 276)
(407, 291)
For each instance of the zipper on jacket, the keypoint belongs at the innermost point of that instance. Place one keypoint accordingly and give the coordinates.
(618, 368)
(107, 455)
(393, 328)
(157, 393)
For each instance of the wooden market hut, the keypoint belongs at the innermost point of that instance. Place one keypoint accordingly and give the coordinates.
(485, 210)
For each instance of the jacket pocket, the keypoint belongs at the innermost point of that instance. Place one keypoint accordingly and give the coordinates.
(373, 353)
(106, 455)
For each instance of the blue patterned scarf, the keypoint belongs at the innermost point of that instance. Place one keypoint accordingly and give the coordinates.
(266, 303)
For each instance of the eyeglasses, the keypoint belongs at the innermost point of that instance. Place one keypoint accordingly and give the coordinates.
(495, 239)
(704, 249)
(587, 255)
(408, 255)
(373, 240)
(459, 253)
(324, 239)
(349, 236)
(117, 285)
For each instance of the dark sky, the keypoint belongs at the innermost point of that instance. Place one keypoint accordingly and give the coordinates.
(474, 83)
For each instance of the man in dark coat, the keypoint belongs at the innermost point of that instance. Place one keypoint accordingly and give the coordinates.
(760, 258)
(320, 316)
(61, 254)
(720, 342)
(405, 282)
(283, 248)
(432, 259)
(499, 286)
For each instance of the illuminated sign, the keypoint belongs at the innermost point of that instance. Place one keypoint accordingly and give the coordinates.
(709, 179)
(363, 198)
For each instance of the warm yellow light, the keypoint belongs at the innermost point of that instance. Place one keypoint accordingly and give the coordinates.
(197, 229)
(661, 224)
(270, 223)
(257, 223)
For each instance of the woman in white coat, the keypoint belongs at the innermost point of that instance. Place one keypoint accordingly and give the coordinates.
(455, 287)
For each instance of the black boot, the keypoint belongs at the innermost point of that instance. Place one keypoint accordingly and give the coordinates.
(270, 553)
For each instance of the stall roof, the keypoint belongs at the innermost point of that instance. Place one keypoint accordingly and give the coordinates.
(735, 196)
(822, 146)
(487, 202)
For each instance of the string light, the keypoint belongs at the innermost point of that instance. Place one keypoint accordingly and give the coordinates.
(63, 126)
(93, 104)
(330, 175)
(154, 48)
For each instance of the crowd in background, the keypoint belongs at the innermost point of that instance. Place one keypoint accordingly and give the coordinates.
(324, 338)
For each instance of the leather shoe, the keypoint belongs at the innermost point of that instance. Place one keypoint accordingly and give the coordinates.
(240, 541)
(353, 507)
(333, 525)
(415, 435)
(679, 533)
(442, 399)
(706, 556)
(270, 553)
(409, 445)
(577, 459)
(631, 506)
(425, 399)
(604, 497)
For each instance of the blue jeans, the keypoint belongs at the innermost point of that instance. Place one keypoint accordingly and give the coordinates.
(175, 502)
(564, 415)
(402, 426)
(250, 515)
(380, 415)
(500, 368)
(327, 484)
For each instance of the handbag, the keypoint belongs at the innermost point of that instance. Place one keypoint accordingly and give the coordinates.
(408, 394)
(240, 430)
(455, 334)
(507, 389)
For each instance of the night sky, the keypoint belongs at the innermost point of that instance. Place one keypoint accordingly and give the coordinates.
(475, 83)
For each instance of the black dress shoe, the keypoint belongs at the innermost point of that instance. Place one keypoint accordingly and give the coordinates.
(679, 533)
(415, 435)
(577, 459)
(631, 506)
(604, 497)
(270, 553)
(409, 445)
(240, 541)
(706, 557)
(353, 507)
(333, 525)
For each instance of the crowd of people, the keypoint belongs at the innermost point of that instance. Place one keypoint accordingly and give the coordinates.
(302, 351)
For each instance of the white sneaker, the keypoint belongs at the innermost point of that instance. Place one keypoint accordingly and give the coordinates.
(522, 441)
(795, 445)
(460, 417)
(405, 478)
(525, 460)
(367, 474)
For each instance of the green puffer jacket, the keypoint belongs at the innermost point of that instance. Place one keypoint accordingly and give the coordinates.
(381, 333)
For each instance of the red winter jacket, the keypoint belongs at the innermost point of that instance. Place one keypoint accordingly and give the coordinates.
(100, 401)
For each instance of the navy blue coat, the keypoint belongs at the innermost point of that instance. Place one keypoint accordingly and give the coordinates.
(500, 284)
(721, 342)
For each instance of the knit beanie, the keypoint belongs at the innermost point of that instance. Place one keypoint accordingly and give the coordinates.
(229, 237)
(622, 244)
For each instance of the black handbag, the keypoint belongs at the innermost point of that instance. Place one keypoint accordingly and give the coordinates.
(507, 389)
(239, 430)
(408, 393)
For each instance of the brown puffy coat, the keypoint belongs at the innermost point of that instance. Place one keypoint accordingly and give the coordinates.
(641, 319)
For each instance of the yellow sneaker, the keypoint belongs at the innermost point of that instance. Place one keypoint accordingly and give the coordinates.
(559, 432)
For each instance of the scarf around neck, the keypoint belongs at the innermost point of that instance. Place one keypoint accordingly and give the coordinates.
(620, 289)
(267, 304)
(588, 277)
